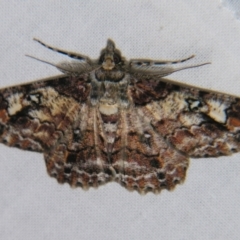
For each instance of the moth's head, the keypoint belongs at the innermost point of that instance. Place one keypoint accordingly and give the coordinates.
(110, 57)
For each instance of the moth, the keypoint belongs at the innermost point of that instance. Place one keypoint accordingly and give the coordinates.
(109, 119)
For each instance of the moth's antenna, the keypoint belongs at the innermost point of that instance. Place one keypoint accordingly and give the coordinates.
(68, 53)
(191, 66)
(40, 60)
(49, 63)
(162, 71)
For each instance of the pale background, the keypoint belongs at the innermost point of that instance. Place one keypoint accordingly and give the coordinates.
(35, 206)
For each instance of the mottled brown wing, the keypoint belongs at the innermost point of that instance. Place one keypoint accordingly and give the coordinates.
(34, 116)
(196, 122)
(141, 158)
(80, 157)
(171, 123)
(54, 117)
(152, 139)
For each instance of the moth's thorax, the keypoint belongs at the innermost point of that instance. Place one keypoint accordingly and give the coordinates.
(114, 75)
(109, 90)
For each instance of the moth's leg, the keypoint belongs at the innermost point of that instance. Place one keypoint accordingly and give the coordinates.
(70, 54)
(145, 62)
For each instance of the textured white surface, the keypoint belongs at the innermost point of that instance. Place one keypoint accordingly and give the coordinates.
(34, 206)
(233, 5)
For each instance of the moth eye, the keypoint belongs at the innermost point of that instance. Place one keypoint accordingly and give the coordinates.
(116, 58)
